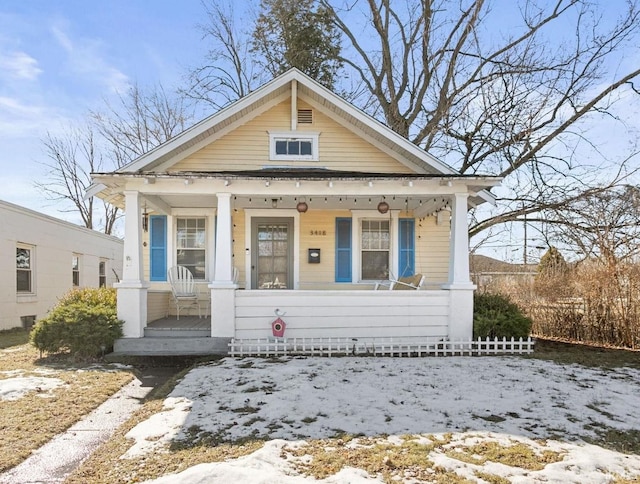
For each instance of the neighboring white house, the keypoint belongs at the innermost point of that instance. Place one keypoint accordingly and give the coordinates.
(42, 257)
(292, 201)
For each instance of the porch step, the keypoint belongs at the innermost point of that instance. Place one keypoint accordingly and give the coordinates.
(176, 332)
(171, 346)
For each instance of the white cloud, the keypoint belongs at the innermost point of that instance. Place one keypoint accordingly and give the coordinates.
(86, 59)
(19, 65)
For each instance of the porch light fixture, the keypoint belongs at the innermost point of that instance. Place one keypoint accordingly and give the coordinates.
(302, 207)
(145, 219)
(383, 207)
(274, 203)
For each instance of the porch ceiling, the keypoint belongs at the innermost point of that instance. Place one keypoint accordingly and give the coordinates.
(330, 190)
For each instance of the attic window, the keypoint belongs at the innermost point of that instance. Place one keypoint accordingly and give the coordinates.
(293, 146)
(305, 116)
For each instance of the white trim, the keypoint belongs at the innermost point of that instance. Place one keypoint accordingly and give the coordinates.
(293, 136)
(356, 221)
(209, 230)
(32, 268)
(273, 212)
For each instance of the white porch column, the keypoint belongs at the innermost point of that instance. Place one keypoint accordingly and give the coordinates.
(223, 289)
(460, 286)
(132, 290)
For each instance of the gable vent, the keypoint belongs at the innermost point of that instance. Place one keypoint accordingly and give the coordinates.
(305, 116)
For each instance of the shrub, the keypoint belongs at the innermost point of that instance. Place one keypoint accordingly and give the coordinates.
(496, 316)
(84, 322)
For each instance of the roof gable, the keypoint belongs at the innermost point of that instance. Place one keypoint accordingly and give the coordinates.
(292, 83)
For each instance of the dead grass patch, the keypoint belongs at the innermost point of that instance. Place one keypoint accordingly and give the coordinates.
(31, 421)
(13, 337)
(516, 455)
(564, 352)
(105, 465)
(379, 457)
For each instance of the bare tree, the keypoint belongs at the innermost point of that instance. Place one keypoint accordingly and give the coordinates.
(73, 156)
(140, 121)
(602, 225)
(489, 100)
(229, 70)
(488, 97)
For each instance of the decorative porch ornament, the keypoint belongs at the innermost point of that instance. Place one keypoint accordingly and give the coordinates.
(302, 207)
(278, 325)
(383, 207)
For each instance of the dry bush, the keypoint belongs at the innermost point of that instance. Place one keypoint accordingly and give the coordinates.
(592, 302)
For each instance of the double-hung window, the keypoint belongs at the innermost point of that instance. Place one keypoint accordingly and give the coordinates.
(375, 249)
(24, 269)
(102, 273)
(191, 244)
(75, 270)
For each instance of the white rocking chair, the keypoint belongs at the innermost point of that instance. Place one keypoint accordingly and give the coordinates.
(183, 289)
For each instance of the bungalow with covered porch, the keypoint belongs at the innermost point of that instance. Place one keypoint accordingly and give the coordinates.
(291, 202)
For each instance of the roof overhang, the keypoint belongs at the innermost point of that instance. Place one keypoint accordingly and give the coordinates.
(298, 183)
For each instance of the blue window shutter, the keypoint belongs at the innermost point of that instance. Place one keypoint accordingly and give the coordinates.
(343, 249)
(158, 247)
(407, 262)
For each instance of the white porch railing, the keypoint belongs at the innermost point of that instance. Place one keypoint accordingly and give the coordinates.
(416, 315)
(376, 347)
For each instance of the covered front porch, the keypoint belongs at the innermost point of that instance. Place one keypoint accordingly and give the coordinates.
(242, 218)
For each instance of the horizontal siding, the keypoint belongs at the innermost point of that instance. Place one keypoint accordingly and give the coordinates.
(312, 223)
(247, 147)
(432, 250)
(158, 304)
(344, 313)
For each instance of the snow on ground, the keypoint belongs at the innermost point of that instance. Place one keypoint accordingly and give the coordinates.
(303, 398)
(16, 387)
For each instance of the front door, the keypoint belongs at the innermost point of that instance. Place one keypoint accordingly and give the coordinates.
(272, 253)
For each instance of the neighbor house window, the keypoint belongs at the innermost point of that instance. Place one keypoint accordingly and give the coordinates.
(374, 249)
(24, 269)
(102, 273)
(294, 146)
(191, 245)
(75, 270)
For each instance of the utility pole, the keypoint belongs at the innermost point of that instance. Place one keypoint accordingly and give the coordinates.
(524, 255)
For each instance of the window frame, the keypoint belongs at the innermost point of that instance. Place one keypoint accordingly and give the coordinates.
(378, 229)
(102, 273)
(75, 270)
(31, 270)
(204, 248)
(312, 137)
(356, 236)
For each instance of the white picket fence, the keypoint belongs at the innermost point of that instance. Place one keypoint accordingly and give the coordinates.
(377, 347)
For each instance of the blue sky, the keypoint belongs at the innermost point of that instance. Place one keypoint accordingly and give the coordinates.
(59, 59)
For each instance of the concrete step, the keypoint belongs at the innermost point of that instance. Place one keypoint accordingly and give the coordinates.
(171, 346)
(176, 333)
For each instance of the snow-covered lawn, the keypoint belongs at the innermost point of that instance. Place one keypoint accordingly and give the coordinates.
(546, 406)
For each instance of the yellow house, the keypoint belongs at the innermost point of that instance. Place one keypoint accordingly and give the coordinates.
(293, 203)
